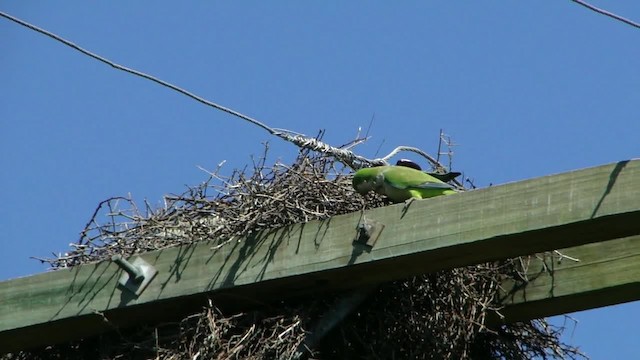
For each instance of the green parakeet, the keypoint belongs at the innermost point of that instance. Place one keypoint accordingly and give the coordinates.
(399, 183)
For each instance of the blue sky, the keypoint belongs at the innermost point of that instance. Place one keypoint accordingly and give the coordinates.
(526, 88)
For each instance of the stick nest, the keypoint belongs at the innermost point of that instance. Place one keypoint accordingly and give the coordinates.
(434, 316)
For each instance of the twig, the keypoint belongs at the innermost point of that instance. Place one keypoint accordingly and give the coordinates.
(563, 256)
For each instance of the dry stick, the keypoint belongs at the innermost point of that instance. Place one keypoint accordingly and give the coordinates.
(345, 156)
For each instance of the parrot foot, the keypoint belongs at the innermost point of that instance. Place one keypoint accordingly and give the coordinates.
(407, 203)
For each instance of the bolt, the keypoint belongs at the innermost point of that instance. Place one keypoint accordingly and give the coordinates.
(135, 274)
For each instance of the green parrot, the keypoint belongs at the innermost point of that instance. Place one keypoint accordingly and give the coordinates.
(399, 183)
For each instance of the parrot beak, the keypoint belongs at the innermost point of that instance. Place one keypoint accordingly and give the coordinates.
(361, 189)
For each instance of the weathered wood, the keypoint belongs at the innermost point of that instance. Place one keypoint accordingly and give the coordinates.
(608, 273)
(541, 214)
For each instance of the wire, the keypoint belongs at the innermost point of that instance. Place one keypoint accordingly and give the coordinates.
(607, 13)
(138, 73)
(346, 156)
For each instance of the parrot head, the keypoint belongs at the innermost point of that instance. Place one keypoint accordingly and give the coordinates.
(368, 179)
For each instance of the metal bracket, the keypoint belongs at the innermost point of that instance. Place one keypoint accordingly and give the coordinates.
(368, 232)
(137, 275)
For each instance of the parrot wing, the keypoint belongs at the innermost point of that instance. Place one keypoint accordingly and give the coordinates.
(433, 185)
(401, 177)
(446, 177)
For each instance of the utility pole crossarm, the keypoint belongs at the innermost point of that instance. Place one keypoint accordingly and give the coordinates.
(608, 273)
(541, 214)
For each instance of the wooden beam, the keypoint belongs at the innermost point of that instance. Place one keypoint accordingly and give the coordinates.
(608, 273)
(550, 212)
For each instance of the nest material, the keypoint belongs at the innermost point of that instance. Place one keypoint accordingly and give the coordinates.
(435, 316)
